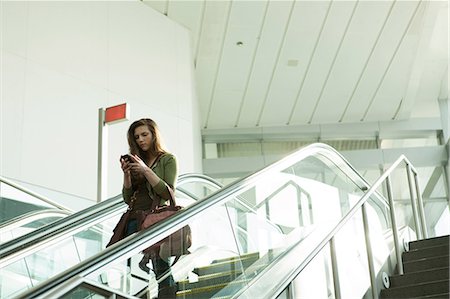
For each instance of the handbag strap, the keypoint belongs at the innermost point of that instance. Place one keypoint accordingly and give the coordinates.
(156, 200)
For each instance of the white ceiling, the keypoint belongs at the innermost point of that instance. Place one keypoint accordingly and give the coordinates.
(278, 63)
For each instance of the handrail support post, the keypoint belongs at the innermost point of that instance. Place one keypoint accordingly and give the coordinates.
(413, 202)
(398, 253)
(369, 251)
(421, 207)
(334, 267)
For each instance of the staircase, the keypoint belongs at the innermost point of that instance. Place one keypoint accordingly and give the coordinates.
(220, 279)
(426, 271)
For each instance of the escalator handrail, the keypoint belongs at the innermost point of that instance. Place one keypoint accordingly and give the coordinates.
(137, 242)
(17, 248)
(216, 184)
(23, 246)
(30, 217)
(34, 194)
(195, 177)
(268, 274)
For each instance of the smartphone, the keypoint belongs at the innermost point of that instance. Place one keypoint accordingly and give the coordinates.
(127, 158)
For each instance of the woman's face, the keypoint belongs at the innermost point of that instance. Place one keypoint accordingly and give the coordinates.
(143, 137)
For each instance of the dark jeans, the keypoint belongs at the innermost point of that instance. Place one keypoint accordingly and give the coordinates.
(167, 288)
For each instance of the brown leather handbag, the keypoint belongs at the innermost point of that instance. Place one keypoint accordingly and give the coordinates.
(119, 231)
(177, 243)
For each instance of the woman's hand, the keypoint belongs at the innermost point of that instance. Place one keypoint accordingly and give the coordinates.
(126, 167)
(138, 166)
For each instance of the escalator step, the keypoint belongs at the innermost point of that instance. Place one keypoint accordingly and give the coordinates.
(227, 289)
(226, 266)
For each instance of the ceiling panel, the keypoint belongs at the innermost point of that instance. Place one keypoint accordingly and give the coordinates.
(294, 62)
(379, 63)
(334, 30)
(313, 61)
(265, 61)
(352, 60)
(386, 102)
(209, 52)
(189, 14)
(158, 5)
(235, 63)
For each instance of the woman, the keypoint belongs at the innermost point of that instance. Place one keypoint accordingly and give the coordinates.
(146, 172)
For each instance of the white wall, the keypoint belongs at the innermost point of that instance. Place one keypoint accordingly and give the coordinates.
(62, 61)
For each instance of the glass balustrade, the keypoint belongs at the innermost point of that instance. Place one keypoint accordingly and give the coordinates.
(287, 217)
(27, 223)
(66, 251)
(234, 242)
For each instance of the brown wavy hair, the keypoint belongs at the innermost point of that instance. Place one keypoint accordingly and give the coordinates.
(156, 147)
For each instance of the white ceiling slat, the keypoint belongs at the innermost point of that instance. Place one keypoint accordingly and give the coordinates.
(298, 64)
(364, 35)
(189, 14)
(265, 59)
(166, 8)
(198, 37)
(333, 30)
(302, 36)
(338, 51)
(357, 49)
(430, 65)
(394, 55)
(380, 59)
(314, 16)
(209, 52)
(252, 65)
(239, 48)
(390, 96)
(156, 4)
(219, 64)
(277, 60)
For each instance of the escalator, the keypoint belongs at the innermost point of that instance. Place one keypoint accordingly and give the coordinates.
(28, 222)
(302, 225)
(17, 204)
(29, 258)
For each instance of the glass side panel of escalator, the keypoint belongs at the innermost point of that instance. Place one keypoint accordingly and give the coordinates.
(20, 275)
(235, 242)
(27, 224)
(15, 202)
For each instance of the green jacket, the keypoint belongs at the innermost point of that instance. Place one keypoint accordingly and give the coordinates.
(167, 170)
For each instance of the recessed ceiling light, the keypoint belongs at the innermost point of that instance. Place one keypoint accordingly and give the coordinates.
(292, 62)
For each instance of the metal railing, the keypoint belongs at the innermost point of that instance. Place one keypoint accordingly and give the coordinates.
(34, 194)
(419, 219)
(135, 243)
(25, 245)
(32, 216)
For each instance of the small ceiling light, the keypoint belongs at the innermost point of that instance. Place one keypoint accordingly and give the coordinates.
(239, 44)
(292, 62)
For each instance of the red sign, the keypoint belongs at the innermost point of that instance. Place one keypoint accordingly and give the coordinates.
(116, 113)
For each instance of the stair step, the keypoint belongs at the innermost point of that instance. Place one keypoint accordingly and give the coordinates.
(253, 256)
(431, 242)
(417, 290)
(436, 296)
(207, 280)
(419, 277)
(417, 254)
(237, 265)
(210, 291)
(426, 264)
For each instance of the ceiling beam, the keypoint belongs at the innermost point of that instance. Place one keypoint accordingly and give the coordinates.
(431, 156)
(413, 128)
